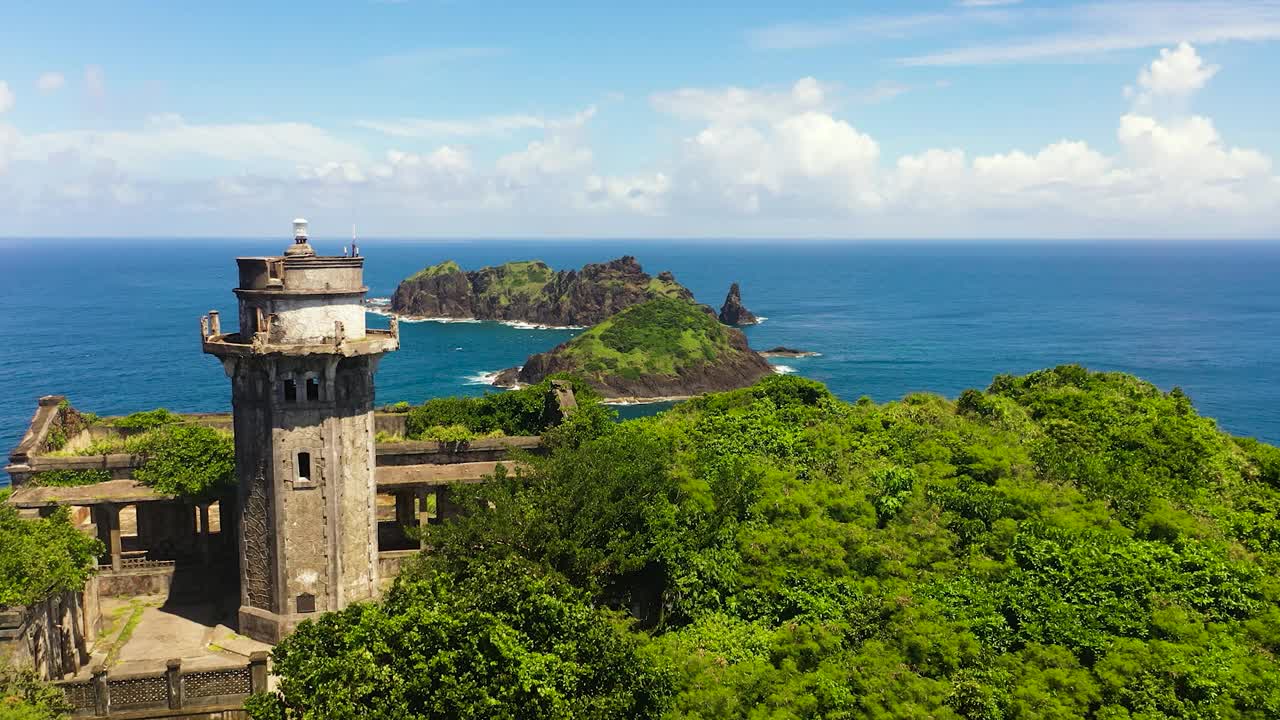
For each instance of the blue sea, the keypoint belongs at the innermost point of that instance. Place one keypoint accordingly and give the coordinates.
(113, 323)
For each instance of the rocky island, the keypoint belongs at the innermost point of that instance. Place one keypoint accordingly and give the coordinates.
(733, 312)
(666, 348)
(532, 292)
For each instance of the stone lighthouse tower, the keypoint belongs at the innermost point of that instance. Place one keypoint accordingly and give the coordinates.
(301, 368)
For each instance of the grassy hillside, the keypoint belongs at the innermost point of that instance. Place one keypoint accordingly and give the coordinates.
(660, 337)
(444, 268)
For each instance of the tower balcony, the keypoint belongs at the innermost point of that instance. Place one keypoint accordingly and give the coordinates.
(239, 344)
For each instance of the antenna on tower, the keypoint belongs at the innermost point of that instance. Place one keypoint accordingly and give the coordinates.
(355, 251)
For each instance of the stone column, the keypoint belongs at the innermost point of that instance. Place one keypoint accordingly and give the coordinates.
(173, 677)
(406, 510)
(203, 540)
(101, 691)
(424, 517)
(258, 671)
(106, 518)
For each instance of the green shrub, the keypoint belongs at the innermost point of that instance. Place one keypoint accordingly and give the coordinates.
(527, 411)
(146, 420)
(69, 478)
(23, 696)
(188, 460)
(41, 555)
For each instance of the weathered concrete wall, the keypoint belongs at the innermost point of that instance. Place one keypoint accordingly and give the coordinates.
(49, 637)
(132, 582)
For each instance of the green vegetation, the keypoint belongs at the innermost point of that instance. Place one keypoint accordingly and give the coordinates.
(500, 640)
(659, 337)
(1066, 544)
(445, 268)
(68, 478)
(178, 458)
(146, 420)
(39, 556)
(24, 697)
(189, 460)
(527, 411)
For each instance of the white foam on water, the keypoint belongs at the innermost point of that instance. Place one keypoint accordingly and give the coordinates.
(482, 378)
(783, 369)
(522, 325)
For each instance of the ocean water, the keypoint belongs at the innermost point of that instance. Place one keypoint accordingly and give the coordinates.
(114, 324)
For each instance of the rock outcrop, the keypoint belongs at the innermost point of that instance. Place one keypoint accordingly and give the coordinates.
(732, 312)
(781, 351)
(532, 292)
(665, 348)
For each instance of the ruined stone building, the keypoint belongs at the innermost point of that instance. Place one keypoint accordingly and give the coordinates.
(322, 513)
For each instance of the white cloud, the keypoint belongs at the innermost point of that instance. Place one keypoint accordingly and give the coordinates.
(166, 142)
(6, 97)
(1177, 73)
(95, 81)
(542, 159)
(50, 82)
(737, 105)
(1128, 25)
(489, 126)
(761, 161)
(801, 36)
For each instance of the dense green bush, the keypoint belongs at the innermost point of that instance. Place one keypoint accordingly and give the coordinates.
(146, 420)
(1065, 544)
(39, 556)
(24, 697)
(502, 639)
(527, 411)
(189, 460)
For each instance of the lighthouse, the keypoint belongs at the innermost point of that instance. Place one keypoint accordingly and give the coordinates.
(302, 367)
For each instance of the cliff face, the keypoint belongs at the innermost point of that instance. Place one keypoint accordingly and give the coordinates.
(732, 312)
(532, 292)
(662, 348)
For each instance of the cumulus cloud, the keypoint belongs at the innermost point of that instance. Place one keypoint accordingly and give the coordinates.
(1176, 74)
(50, 82)
(6, 97)
(775, 161)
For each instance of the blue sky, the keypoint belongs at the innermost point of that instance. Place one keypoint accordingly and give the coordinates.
(963, 118)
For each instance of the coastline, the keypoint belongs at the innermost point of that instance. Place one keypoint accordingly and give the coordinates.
(372, 305)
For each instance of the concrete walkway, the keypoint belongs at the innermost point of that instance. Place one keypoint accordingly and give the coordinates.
(140, 634)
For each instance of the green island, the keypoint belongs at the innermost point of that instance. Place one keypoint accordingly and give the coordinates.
(666, 347)
(530, 291)
(1064, 544)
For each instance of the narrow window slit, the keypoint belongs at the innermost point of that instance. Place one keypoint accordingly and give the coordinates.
(313, 390)
(290, 391)
(304, 466)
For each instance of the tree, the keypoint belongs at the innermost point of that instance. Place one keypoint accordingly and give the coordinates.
(502, 639)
